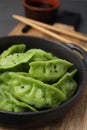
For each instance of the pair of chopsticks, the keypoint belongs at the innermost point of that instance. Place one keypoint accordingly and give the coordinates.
(51, 30)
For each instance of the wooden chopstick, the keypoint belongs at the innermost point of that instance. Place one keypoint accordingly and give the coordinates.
(72, 34)
(49, 33)
(44, 30)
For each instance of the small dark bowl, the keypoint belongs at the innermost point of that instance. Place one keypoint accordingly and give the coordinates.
(41, 10)
(37, 119)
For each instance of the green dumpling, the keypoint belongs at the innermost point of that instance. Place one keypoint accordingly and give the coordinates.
(35, 92)
(41, 55)
(14, 60)
(26, 80)
(13, 49)
(10, 103)
(67, 84)
(49, 70)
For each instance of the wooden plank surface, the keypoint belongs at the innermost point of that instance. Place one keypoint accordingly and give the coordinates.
(76, 118)
(32, 32)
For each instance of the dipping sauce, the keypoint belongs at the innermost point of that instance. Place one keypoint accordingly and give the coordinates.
(41, 10)
(40, 4)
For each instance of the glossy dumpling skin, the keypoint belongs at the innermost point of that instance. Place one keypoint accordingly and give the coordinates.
(14, 60)
(67, 84)
(9, 103)
(41, 55)
(13, 49)
(49, 70)
(33, 80)
(35, 92)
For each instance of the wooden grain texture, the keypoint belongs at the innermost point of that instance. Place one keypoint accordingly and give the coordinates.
(76, 118)
(49, 29)
(32, 32)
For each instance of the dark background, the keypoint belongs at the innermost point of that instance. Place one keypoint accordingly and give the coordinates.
(9, 7)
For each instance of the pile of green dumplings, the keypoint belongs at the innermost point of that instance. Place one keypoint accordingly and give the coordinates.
(34, 80)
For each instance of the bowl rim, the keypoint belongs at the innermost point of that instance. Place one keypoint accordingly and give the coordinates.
(61, 106)
(29, 7)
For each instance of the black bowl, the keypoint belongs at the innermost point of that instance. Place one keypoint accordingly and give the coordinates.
(37, 119)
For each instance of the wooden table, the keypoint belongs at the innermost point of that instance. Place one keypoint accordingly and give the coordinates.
(76, 118)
